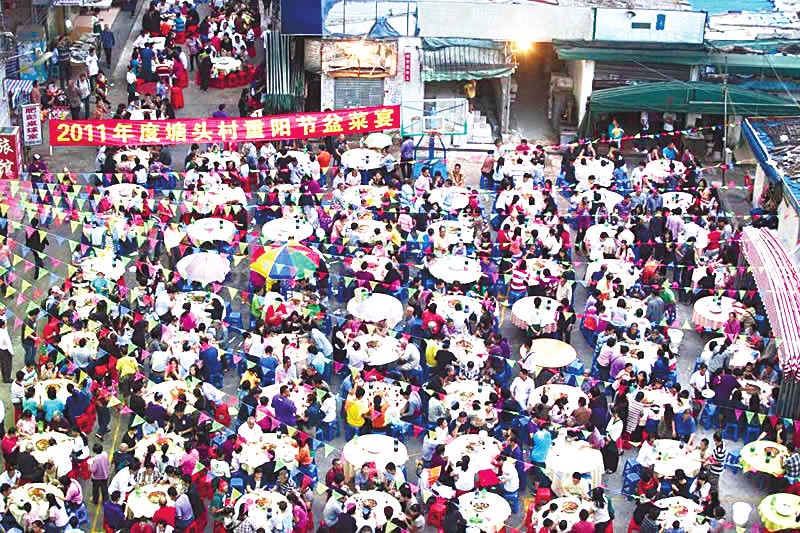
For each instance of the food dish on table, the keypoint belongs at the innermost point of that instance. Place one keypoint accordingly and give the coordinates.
(373, 344)
(369, 503)
(36, 493)
(680, 510)
(569, 507)
(155, 496)
(772, 450)
(42, 444)
(480, 506)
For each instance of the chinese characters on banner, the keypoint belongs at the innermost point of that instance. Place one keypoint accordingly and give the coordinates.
(10, 152)
(32, 124)
(209, 130)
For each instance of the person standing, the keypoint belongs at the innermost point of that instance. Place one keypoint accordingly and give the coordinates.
(84, 92)
(92, 68)
(204, 66)
(99, 467)
(36, 242)
(64, 61)
(28, 337)
(74, 97)
(407, 157)
(147, 55)
(193, 45)
(108, 41)
(6, 352)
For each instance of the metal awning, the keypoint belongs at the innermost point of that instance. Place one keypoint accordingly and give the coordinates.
(779, 287)
(463, 63)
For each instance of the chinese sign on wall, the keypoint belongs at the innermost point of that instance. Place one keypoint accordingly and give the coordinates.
(196, 130)
(10, 152)
(359, 59)
(32, 124)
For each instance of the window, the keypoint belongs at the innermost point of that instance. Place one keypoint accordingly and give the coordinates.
(641, 25)
(661, 21)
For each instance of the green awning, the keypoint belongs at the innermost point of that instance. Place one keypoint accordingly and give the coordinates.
(690, 97)
(648, 53)
(463, 63)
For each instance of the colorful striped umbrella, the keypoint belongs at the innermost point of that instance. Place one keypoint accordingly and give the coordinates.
(287, 261)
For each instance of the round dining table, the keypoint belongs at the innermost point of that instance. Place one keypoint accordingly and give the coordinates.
(446, 305)
(33, 493)
(370, 505)
(123, 195)
(374, 448)
(85, 303)
(381, 349)
(292, 345)
(779, 512)
(672, 455)
(763, 456)
(524, 313)
(555, 391)
(287, 229)
(505, 198)
(72, 339)
(376, 264)
(466, 347)
(370, 195)
(677, 200)
(211, 229)
(173, 441)
(567, 456)
(485, 511)
(627, 272)
(549, 353)
(456, 198)
(298, 393)
(143, 501)
(377, 307)
(683, 510)
(564, 508)
(60, 384)
(455, 268)
(601, 168)
(461, 396)
(592, 236)
(362, 159)
(199, 302)
(659, 169)
(609, 198)
(262, 507)
(254, 454)
(456, 231)
(112, 267)
(480, 448)
(741, 352)
(711, 312)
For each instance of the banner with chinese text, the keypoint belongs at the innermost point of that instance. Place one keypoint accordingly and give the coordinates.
(10, 152)
(210, 130)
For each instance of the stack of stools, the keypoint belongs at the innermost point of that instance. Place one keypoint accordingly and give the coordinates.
(631, 474)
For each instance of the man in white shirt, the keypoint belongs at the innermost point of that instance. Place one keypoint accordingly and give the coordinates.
(250, 431)
(163, 305)
(186, 359)
(699, 380)
(125, 480)
(6, 352)
(158, 360)
(409, 361)
(647, 453)
(10, 476)
(521, 387)
(509, 476)
(356, 356)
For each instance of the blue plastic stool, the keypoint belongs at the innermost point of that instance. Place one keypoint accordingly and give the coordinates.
(731, 432)
(235, 320)
(733, 461)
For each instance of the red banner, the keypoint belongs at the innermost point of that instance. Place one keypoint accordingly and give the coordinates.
(223, 130)
(10, 152)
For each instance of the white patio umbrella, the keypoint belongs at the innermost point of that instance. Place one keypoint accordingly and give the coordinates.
(377, 140)
(204, 267)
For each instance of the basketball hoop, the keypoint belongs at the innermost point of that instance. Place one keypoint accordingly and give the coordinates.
(433, 133)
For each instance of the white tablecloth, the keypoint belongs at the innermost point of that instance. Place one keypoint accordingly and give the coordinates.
(556, 391)
(219, 195)
(382, 350)
(506, 197)
(452, 268)
(524, 314)
(224, 65)
(122, 194)
(468, 348)
(378, 449)
(707, 314)
(446, 305)
(211, 230)
(59, 453)
(658, 170)
(602, 169)
(222, 158)
(296, 349)
(486, 511)
(254, 454)
(458, 197)
(70, 340)
(33, 493)
(85, 303)
(674, 200)
(609, 198)
(481, 450)
(741, 352)
(170, 391)
(461, 395)
(297, 393)
(568, 456)
(569, 508)
(362, 159)
(550, 353)
(655, 400)
(287, 229)
(376, 501)
(200, 302)
(173, 441)
(262, 504)
(626, 272)
(372, 195)
(456, 231)
(542, 230)
(377, 307)
(592, 236)
(40, 389)
(671, 457)
(684, 511)
(376, 264)
(106, 263)
(369, 230)
(143, 501)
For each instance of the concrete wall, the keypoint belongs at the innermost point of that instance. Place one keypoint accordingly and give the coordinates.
(788, 225)
(642, 25)
(505, 22)
(759, 180)
(582, 72)
(395, 88)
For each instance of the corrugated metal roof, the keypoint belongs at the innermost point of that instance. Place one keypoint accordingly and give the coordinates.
(454, 63)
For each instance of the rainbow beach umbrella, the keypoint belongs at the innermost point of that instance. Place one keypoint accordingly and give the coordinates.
(287, 261)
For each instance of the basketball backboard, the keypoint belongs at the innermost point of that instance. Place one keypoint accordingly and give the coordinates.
(446, 116)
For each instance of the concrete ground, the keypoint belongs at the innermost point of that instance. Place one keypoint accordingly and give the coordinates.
(734, 487)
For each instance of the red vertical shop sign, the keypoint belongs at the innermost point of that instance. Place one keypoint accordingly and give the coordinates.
(407, 66)
(10, 152)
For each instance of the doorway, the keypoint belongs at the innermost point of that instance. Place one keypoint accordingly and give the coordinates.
(531, 86)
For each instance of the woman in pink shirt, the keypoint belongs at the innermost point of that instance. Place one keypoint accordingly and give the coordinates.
(188, 460)
(732, 327)
(188, 321)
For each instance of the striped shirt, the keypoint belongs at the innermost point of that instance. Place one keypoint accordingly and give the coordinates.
(720, 455)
